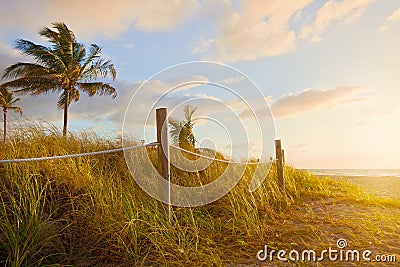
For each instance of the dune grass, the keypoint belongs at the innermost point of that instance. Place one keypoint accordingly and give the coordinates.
(89, 211)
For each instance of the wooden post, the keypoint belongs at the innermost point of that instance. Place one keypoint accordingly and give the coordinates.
(163, 152)
(283, 156)
(279, 164)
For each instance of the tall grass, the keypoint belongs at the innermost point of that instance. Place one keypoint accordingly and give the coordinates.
(88, 211)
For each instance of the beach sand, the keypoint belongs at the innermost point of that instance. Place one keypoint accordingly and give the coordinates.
(328, 219)
(387, 186)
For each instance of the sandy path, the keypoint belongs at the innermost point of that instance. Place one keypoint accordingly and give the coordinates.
(319, 222)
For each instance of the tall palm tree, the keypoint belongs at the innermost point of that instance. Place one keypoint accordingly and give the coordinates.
(181, 131)
(65, 67)
(7, 101)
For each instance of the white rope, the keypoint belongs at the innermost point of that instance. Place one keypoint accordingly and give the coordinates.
(120, 149)
(219, 160)
(76, 155)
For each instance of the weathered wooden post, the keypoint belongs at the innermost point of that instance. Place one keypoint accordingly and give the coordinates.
(163, 152)
(279, 164)
(283, 157)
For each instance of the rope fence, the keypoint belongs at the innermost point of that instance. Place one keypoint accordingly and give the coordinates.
(121, 149)
(163, 164)
(215, 159)
(163, 152)
(76, 155)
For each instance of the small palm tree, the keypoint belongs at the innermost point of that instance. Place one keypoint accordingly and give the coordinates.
(65, 67)
(7, 101)
(181, 131)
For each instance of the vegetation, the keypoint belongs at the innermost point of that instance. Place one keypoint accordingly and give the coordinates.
(181, 131)
(66, 68)
(7, 101)
(89, 211)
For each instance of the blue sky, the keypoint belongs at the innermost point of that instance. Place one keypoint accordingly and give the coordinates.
(329, 69)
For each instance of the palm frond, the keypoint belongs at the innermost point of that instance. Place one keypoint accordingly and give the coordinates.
(34, 85)
(189, 111)
(97, 88)
(67, 41)
(73, 96)
(99, 68)
(7, 101)
(51, 35)
(62, 100)
(13, 101)
(79, 53)
(41, 54)
(94, 51)
(2, 95)
(17, 109)
(176, 126)
(21, 69)
(181, 131)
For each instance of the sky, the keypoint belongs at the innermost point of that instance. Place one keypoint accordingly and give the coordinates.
(329, 71)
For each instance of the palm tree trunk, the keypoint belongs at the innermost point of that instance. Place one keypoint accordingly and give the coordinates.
(66, 115)
(5, 124)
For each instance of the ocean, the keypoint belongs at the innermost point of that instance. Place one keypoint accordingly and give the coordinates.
(356, 172)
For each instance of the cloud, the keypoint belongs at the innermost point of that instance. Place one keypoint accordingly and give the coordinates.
(384, 28)
(236, 30)
(99, 110)
(92, 109)
(232, 80)
(264, 28)
(395, 16)
(203, 46)
(310, 100)
(345, 11)
(260, 29)
(99, 18)
(42, 107)
(8, 56)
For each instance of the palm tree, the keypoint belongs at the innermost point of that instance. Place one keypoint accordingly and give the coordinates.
(65, 67)
(181, 131)
(7, 101)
